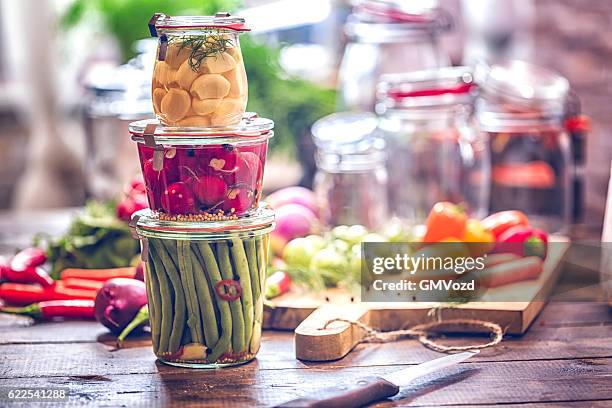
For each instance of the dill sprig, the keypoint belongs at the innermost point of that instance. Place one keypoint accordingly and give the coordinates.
(204, 46)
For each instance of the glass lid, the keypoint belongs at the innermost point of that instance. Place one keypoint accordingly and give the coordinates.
(251, 128)
(346, 133)
(392, 20)
(435, 87)
(220, 21)
(520, 85)
(147, 223)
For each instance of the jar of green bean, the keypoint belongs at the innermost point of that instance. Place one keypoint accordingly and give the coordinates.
(205, 286)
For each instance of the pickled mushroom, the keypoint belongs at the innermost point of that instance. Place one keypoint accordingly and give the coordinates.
(205, 106)
(185, 75)
(219, 63)
(163, 73)
(158, 95)
(175, 104)
(176, 54)
(210, 86)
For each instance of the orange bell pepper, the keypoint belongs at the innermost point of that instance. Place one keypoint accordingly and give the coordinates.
(445, 220)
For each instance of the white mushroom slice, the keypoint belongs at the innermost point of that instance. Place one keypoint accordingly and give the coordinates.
(210, 86)
(175, 105)
(176, 55)
(205, 106)
(158, 95)
(229, 112)
(163, 73)
(238, 81)
(195, 121)
(219, 63)
(185, 75)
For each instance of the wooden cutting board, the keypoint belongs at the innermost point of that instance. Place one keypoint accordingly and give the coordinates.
(307, 313)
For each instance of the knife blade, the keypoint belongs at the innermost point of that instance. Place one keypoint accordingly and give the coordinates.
(366, 390)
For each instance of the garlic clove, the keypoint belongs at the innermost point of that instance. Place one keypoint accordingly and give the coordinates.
(210, 86)
(158, 95)
(219, 63)
(175, 105)
(238, 81)
(185, 75)
(205, 106)
(176, 55)
(163, 73)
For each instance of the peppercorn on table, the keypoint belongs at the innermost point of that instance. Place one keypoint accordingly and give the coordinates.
(564, 359)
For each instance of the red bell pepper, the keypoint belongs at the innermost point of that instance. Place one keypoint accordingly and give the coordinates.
(523, 241)
(101, 275)
(502, 221)
(73, 309)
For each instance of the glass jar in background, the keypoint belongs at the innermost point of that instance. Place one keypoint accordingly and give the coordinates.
(521, 108)
(435, 153)
(351, 179)
(205, 287)
(388, 37)
(199, 78)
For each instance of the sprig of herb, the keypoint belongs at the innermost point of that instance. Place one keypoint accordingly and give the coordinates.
(204, 46)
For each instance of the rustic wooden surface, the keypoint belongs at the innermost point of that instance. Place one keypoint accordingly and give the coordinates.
(563, 360)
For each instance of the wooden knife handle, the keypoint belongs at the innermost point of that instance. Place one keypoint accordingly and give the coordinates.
(356, 394)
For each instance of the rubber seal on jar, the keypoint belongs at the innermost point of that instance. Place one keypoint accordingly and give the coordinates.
(224, 289)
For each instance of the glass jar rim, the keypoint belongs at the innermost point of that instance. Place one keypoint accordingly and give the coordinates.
(145, 223)
(347, 133)
(252, 128)
(220, 21)
(427, 88)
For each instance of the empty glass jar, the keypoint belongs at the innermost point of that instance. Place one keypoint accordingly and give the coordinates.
(351, 179)
(388, 37)
(521, 110)
(434, 151)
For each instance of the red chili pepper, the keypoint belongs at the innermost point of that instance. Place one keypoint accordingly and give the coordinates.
(27, 258)
(101, 275)
(228, 289)
(500, 222)
(524, 241)
(25, 268)
(277, 284)
(71, 309)
(25, 294)
(86, 284)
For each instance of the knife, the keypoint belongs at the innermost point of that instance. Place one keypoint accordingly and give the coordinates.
(366, 390)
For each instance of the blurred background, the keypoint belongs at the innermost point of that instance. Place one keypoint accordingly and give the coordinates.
(73, 73)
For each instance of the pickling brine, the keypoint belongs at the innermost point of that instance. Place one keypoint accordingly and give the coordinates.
(199, 79)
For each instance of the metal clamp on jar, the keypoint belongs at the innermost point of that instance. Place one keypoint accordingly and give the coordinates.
(388, 37)
(434, 151)
(351, 179)
(522, 108)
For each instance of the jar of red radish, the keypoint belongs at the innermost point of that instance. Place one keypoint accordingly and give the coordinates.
(203, 174)
(199, 79)
(205, 287)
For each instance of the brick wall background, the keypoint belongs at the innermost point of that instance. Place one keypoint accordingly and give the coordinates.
(574, 37)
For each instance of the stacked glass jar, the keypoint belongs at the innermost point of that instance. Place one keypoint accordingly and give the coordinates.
(205, 237)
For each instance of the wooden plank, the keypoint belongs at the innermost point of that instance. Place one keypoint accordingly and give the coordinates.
(278, 352)
(468, 383)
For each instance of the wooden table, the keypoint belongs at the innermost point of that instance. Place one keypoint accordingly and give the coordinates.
(563, 360)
